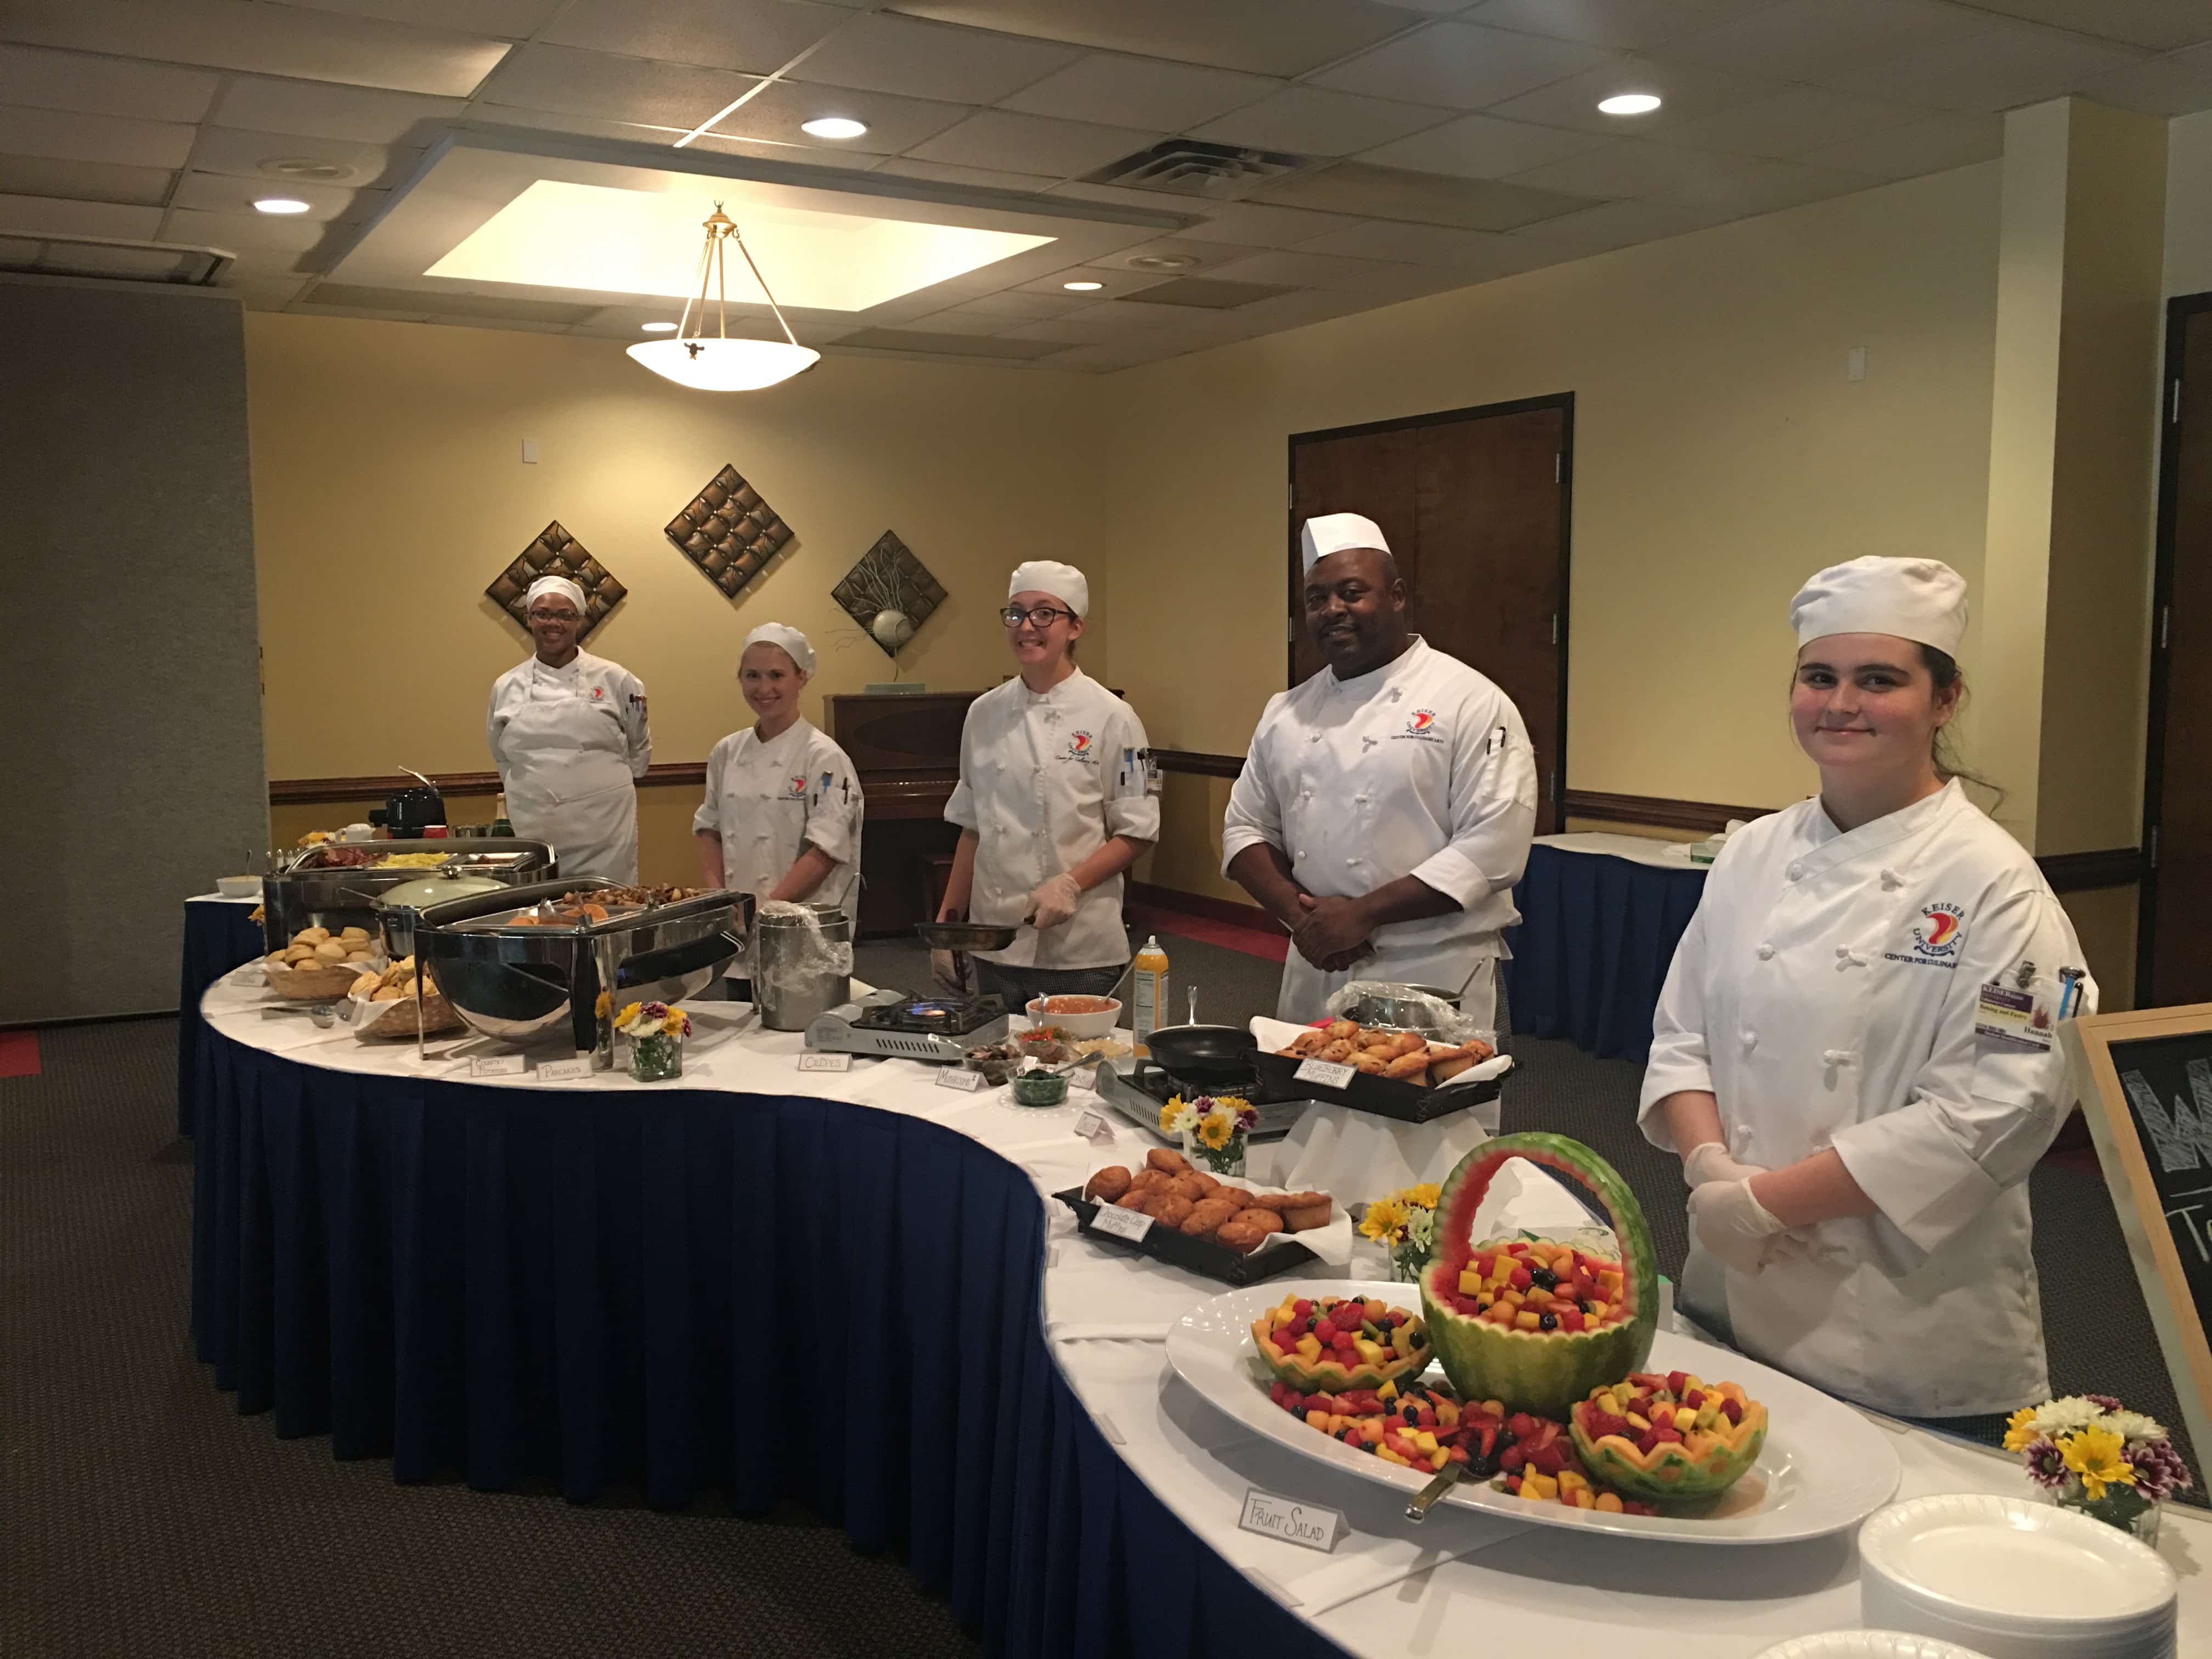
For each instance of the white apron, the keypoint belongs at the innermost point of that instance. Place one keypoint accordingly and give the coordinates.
(565, 763)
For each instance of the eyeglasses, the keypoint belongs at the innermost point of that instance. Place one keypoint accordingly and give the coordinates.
(1040, 618)
(554, 616)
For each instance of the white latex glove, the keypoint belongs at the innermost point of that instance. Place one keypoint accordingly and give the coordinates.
(1054, 901)
(1708, 1161)
(945, 967)
(1734, 1228)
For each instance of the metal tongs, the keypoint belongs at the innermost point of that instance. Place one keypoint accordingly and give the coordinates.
(1445, 1479)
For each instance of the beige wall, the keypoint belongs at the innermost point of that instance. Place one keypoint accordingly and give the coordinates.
(2189, 205)
(1721, 456)
(388, 491)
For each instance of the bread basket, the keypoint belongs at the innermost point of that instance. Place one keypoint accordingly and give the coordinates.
(373, 1021)
(311, 984)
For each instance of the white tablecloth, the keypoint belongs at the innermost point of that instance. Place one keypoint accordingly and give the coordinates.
(1666, 854)
(1461, 1582)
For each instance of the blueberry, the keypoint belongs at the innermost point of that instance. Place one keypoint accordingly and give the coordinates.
(1548, 1322)
(1545, 1277)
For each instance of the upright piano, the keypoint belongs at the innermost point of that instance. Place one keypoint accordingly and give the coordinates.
(906, 750)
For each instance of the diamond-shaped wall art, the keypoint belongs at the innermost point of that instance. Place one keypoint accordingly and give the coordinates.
(729, 532)
(556, 553)
(890, 592)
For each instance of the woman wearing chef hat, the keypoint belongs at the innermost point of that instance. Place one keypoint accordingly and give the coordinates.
(1056, 799)
(1854, 1050)
(781, 819)
(568, 733)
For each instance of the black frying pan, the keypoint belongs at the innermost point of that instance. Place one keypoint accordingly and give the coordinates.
(964, 935)
(1203, 1051)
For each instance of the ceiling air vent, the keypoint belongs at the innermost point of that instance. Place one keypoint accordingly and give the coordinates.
(1190, 167)
(45, 255)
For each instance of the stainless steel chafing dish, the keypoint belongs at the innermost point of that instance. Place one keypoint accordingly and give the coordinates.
(519, 982)
(301, 892)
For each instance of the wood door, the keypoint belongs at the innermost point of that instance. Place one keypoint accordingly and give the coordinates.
(1473, 504)
(2175, 964)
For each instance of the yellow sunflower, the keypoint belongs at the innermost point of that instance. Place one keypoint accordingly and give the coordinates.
(628, 1013)
(599, 1008)
(1215, 1128)
(2093, 1454)
(2020, 1430)
(1169, 1114)
(1384, 1218)
(1426, 1195)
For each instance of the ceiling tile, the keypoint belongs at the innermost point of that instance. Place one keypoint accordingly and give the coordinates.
(1440, 245)
(1309, 121)
(1617, 224)
(1291, 268)
(262, 293)
(1074, 331)
(1791, 123)
(64, 137)
(2161, 25)
(1201, 256)
(512, 20)
(1810, 40)
(317, 110)
(575, 83)
(266, 39)
(1266, 37)
(1253, 225)
(2163, 86)
(1934, 144)
(1016, 306)
(217, 193)
(894, 123)
(241, 154)
(1691, 178)
(593, 126)
(1609, 22)
(1372, 192)
(883, 53)
(760, 36)
(103, 85)
(942, 173)
(1141, 91)
(1031, 144)
(1481, 147)
(89, 181)
(910, 340)
(1997, 69)
(1461, 66)
(1119, 284)
(289, 241)
(77, 218)
(1690, 92)
(956, 321)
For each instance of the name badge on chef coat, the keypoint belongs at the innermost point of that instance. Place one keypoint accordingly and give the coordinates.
(2012, 1017)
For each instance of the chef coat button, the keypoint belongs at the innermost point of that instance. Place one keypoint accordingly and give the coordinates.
(1891, 878)
(1835, 1056)
(1843, 953)
(1796, 871)
(1750, 1041)
(1766, 953)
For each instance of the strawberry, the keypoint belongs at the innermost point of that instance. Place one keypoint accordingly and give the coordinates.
(1523, 1425)
(1548, 1459)
(1732, 1408)
(1676, 1381)
(1512, 1459)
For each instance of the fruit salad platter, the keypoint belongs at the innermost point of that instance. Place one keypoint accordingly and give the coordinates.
(1535, 1370)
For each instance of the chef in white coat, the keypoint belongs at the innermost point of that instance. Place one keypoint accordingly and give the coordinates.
(1385, 809)
(1057, 797)
(781, 819)
(567, 733)
(1854, 1051)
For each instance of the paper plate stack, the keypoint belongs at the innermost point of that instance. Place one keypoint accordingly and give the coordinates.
(1867, 1644)
(2014, 1580)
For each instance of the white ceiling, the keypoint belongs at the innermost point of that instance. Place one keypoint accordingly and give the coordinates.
(1447, 142)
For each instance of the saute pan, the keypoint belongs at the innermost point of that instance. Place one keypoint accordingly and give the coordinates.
(964, 935)
(1204, 1051)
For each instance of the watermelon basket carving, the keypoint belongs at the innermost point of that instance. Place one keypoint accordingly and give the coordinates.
(1499, 1329)
(1670, 1437)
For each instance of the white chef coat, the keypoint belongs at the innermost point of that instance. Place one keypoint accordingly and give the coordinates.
(1420, 768)
(1045, 780)
(1827, 993)
(570, 744)
(770, 801)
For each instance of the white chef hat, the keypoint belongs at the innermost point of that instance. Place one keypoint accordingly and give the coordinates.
(795, 643)
(1335, 533)
(1923, 600)
(556, 584)
(1063, 581)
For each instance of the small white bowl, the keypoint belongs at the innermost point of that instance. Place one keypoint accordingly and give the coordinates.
(1099, 1025)
(239, 886)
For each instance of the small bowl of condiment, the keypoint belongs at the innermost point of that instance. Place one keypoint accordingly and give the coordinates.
(1078, 1015)
(1040, 1088)
(239, 886)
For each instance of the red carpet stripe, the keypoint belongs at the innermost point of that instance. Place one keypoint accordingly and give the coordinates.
(1248, 940)
(19, 1054)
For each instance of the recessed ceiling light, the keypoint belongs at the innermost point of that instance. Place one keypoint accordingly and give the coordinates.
(1083, 288)
(658, 328)
(295, 166)
(279, 205)
(1629, 103)
(833, 126)
(1162, 261)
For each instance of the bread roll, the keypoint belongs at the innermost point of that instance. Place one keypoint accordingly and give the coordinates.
(1309, 1217)
(1166, 1161)
(1107, 1184)
(330, 951)
(311, 936)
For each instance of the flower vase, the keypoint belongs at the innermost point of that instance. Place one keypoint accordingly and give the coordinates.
(2121, 1506)
(1406, 1262)
(1227, 1159)
(656, 1059)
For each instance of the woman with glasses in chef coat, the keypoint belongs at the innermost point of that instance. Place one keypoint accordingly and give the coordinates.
(1056, 797)
(1854, 1053)
(567, 733)
(781, 819)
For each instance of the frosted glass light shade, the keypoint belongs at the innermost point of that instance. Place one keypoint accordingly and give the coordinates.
(719, 365)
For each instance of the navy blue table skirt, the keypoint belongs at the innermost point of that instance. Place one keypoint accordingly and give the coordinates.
(678, 1291)
(217, 939)
(1591, 953)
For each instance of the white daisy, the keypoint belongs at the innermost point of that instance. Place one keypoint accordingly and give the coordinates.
(2061, 1416)
(2133, 1427)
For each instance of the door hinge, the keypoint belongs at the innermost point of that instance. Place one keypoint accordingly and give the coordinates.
(1555, 786)
(1558, 465)
(2164, 618)
(2153, 847)
(1291, 630)
(1555, 627)
(2174, 410)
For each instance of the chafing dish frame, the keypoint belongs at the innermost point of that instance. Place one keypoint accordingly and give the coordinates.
(293, 897)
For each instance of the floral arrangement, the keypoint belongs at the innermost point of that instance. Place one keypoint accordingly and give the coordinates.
(2092, 1454)
(1405, 1222)
(656, 1033)
(1213, 1129)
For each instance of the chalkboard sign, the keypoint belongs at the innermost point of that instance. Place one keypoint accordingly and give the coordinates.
(2146, 1084)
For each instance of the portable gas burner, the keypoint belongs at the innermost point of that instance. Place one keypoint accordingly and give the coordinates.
(902, 1026)
(1139, 1092)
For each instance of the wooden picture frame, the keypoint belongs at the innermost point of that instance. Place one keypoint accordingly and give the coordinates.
(2178, 1312)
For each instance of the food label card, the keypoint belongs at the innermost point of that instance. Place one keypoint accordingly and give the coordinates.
(1132, 1225)
(565, 1070)
(954, 1078)
(825, 1062)
(498, 1065)
(1308, 1525)
(1090, 1123)
(1327, 1074)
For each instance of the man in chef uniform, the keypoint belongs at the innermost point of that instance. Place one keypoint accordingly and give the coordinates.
(1385, 810)
(568, 733)
(1854, 1053)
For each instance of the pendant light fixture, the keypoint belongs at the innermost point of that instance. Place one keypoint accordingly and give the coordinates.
(717, 362)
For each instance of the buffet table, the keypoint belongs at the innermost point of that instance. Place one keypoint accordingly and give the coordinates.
(846, 1289)
(220, 933)
(1600, 915)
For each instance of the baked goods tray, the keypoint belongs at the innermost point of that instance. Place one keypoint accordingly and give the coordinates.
(1384, 1097)
(1198, 1255)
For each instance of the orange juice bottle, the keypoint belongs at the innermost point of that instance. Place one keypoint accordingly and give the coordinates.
(1149, 994)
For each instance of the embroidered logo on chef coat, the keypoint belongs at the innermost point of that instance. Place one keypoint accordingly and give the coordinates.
(798, 787)
(1935, 935)
(1078, 749)
(1422, 725)
(599, 694)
